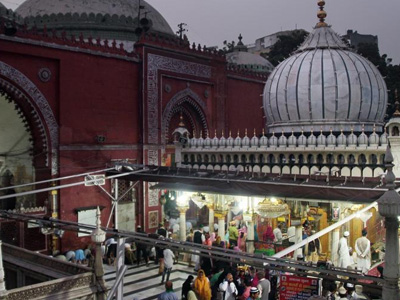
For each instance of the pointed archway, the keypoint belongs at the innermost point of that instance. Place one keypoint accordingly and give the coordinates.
(192, 108)
(33, 106)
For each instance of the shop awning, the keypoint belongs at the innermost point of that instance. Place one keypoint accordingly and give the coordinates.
(259, 185)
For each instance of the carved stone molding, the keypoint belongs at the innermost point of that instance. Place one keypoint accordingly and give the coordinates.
(188, 96)
(52, 288)
(158, 63)
(44, 74)
(28, 87)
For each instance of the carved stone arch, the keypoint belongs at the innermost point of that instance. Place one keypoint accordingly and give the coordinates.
(181, 102)
(22, 90)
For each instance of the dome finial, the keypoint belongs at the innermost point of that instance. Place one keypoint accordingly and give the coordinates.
(321, 14)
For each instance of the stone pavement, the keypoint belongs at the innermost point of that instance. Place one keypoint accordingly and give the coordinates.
(144, 283)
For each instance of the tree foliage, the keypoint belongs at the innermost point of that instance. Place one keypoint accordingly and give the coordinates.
(284, 47)
(391, 73)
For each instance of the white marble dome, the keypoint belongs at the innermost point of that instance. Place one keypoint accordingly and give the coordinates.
(325, 85)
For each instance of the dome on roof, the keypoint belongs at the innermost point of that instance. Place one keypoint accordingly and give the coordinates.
(326, 85)
(252, 61)
(106, 19)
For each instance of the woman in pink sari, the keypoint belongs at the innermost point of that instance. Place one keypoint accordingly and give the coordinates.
(268, 235)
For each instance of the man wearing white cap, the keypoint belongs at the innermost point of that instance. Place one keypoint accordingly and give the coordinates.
(342, 293)
(343, 251)
(363, 249)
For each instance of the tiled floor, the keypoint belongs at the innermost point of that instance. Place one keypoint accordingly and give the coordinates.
(144, 283)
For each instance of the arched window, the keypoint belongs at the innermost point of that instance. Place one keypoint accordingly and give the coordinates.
(206, 159)
(292, 159)
(330, 159)
(282, 159)
(252, 159)
(228, 159)
(395, 131)
(235, 159)
(341, 159)
(301, 159)
(271, 159)
(351, 159)
(310, 159)
(192, 159)
(243, 158)
(220, 158)
(373, 159)
(261, 158)
(213, 159)
(320, 159)
(362, 160)
(382, 159)
(199, 159)
(185, 158)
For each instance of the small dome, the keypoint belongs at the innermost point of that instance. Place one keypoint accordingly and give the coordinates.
(238, 140)
(352, 139)
(229, 140)
(250, 61)
(331, 140)
(215, 140)
(200, 141)
(312, 140)
(292, 140)
(321, 139)
(222, 141)
(273, 140)
(117, 19)
(254, 140)
(193, 142)
(282, 140)
(302, 140)
(207, 141)
(373, 138)
(264, 140)
(362, 139)
(341, 140)
(246, 140)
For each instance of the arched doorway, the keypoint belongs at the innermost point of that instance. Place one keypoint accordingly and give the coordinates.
(28, 135)
(191, 108)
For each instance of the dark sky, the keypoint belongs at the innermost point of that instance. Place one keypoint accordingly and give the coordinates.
(210, 22)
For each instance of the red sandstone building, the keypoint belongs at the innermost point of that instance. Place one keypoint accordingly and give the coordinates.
(83, 85)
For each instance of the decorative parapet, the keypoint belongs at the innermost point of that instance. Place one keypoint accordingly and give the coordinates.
(271, 141)
(73, 287)
(173, 42)
(254, 71)
(61, 38)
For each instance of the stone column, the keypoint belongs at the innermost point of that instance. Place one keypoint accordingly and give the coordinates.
(98, 237)
(3, 291)
(211, 217)
(221, 224)
(299, 238)
(391, 270)
(182, 223)
(249, 218)
(335, 237)
(389, 207)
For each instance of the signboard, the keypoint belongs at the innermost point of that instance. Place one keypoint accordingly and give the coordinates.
(297, 288)
(91, 180)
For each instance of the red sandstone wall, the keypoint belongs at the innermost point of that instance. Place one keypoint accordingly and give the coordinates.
(244, 101)
(89, 95)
